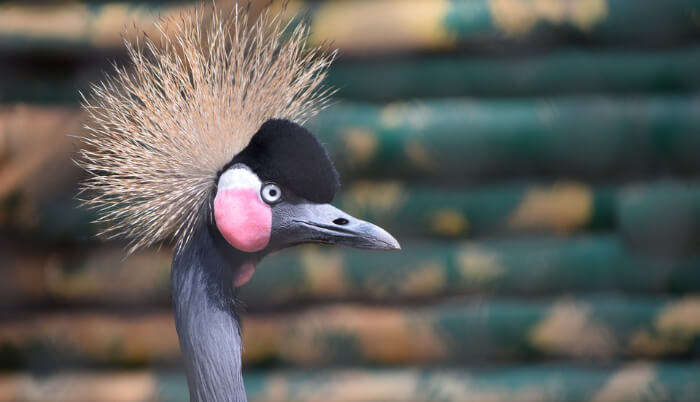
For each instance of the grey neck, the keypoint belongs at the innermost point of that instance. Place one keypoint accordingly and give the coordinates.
(205, 317)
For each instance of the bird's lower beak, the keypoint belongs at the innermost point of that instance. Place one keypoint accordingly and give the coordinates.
(324, 223)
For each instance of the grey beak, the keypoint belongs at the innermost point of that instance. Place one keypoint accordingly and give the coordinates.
(324, 223)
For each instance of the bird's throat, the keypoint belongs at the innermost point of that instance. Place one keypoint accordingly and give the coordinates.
(203, 275)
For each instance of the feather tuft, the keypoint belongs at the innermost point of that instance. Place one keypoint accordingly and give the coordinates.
(161, 130)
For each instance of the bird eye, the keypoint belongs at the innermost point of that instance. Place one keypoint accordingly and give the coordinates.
(271, 193)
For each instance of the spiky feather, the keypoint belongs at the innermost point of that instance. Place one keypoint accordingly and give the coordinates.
(162, 128)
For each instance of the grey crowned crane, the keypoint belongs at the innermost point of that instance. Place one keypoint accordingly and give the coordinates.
(200, 142)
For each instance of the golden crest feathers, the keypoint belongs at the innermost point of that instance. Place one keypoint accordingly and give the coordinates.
(161, 129)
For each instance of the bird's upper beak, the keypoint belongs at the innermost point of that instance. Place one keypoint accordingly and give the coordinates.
(323, 223)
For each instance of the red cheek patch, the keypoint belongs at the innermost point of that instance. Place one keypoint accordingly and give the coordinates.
(243, 218)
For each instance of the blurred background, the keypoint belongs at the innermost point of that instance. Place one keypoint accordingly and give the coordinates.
(537, 159)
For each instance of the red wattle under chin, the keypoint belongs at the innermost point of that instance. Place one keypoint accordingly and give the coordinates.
(245, 272)
(243, 219)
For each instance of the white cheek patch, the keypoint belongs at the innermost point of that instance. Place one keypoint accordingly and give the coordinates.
(239, 178)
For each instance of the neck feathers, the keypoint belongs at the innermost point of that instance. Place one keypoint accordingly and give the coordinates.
(206, 320)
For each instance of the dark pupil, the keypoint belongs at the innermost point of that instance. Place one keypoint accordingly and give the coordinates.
(273, 192)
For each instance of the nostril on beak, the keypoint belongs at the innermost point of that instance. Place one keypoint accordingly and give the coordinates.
(341, 221)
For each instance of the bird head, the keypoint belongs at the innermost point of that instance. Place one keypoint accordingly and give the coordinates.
(204, 130)
(276, 193)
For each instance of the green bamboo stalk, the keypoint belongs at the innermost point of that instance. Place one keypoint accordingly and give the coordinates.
(561, 207)
(521, 383)
(85, 275)
(77, 27)
(381, 26)
(559, 72)
(590, 329)
(359, 27)
(457, 140)
(506, 268)
(669, 381)
(661, 216)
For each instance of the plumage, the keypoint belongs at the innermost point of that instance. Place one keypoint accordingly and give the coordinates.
(162, 128)
(289, 154)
